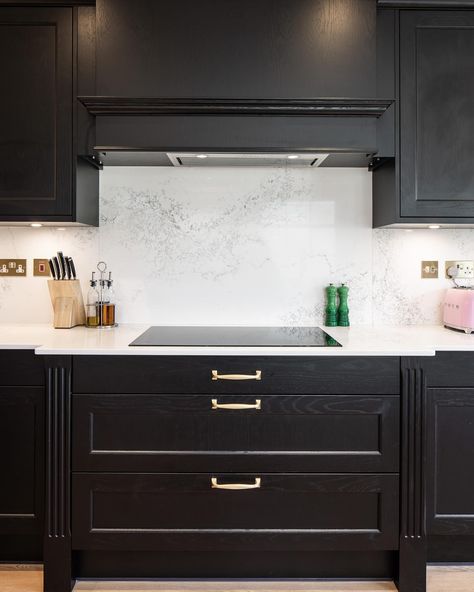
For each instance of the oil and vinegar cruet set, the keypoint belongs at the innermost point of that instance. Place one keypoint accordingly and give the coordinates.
(66, 296)
(100, 306)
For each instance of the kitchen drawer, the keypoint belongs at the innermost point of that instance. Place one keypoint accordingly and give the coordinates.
(21, 367)
(184, 511)
(278, 375)
(290, 433)
(450, 369)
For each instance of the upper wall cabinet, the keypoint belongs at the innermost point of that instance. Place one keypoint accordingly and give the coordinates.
(432, 178)
(45, 54)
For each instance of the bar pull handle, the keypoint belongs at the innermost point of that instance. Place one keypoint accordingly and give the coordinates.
(216, 405)
(217, 376)
(236, 486)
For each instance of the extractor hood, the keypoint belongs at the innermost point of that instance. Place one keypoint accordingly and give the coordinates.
(243, 158)
(233, 159)
(245, 83)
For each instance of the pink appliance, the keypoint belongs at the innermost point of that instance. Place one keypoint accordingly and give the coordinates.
(458, 309)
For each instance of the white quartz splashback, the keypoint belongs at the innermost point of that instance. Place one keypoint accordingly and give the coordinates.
(239, 246)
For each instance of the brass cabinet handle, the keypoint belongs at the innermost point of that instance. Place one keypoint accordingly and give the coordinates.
(217, 376)
(236, 486)
(216, 405)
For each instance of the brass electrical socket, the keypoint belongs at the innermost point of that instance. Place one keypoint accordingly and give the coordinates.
(13, 267)
(41, 268)
(429, 270)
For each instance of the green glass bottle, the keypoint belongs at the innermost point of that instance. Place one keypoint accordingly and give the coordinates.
(343, 310)
(331, 306)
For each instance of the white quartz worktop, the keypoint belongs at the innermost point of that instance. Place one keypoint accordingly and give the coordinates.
(365, 341)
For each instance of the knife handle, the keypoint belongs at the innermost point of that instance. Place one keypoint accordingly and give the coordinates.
(52, 270)
(62, 265)
(72, 267)
(57, 272)
(68, 268)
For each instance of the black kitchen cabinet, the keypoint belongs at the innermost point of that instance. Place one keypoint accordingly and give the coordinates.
(431, 179)
(21, 456)
(450, 503)
(161, 469)
(449, 456)
(46, 58)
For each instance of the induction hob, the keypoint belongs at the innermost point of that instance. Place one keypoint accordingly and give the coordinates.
(235, 337)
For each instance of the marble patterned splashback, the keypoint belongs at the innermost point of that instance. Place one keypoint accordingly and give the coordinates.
(239, 246)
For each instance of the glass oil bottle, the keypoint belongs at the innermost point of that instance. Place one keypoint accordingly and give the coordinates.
(107, 302)
(92, 304)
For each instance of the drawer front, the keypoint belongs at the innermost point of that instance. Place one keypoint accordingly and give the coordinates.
(271, 375)
(289, 433)
(153, 511)
(450, 369)
(21, 367)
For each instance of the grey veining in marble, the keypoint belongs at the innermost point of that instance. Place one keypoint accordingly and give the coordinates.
(239, 246)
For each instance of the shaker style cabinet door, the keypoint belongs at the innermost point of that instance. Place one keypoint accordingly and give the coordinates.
(437, 114)
(36, 69)
(450, 487)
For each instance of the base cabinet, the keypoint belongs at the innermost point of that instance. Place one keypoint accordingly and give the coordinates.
(450, 456)
(163, 471)
(160, 471)
(21, 457)
(450, 502)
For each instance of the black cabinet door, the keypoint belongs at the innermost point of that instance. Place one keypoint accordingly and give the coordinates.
(21, 461)
(36, 69)
(436, 114)
(450, 490)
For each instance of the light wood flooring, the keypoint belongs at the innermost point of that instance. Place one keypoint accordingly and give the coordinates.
(14, 578)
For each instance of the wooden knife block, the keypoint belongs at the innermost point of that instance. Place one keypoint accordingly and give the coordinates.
(68, 305)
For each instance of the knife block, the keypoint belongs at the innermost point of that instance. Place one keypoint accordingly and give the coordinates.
(68, 305)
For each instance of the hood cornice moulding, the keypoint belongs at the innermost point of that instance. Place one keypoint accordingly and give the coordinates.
(331, 107)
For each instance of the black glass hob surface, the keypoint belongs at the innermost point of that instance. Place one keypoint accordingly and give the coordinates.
(236, 337)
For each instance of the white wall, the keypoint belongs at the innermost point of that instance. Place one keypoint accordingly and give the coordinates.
(239, 246)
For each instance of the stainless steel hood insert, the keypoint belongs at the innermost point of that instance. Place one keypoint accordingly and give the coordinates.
(234, 159)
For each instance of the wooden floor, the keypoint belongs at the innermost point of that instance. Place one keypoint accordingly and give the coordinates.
(440, 579)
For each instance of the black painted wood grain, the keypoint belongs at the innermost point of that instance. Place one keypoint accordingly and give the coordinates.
(58, 570)
(411, 575)
(21, 368)
(436, 123)
(21, 455)
(22, 461)
(450, 499)
(280, 375)
(237, 49)
(290, 433)
(171, 511)
(250, 562)
(36, 111)
(450, 369)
